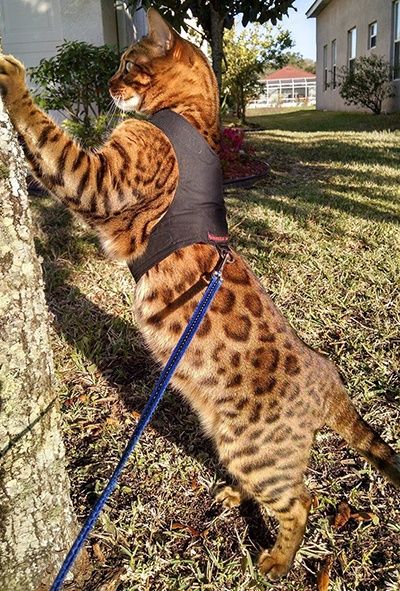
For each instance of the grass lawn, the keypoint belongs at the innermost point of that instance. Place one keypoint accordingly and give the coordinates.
(308, 119)
(322, 232)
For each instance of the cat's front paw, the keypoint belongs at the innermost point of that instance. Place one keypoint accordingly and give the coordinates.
(12, 79)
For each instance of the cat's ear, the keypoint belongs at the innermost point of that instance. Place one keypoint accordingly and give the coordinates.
(160, 31)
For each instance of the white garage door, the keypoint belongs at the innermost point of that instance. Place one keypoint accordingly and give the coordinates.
(30, 29)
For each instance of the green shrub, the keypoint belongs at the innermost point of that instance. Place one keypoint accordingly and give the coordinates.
(367, 82)
(75, 83)
(91, 134)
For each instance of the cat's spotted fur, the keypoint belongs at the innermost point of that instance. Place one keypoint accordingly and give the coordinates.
(260, 392)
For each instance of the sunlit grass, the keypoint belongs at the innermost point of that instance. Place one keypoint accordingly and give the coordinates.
(322, 233)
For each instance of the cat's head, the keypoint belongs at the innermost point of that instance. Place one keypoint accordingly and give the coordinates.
(162, 71)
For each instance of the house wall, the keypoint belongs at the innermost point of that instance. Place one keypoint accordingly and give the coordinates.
(124, 25)
(334, 22)
(92, 21)
(32, 29)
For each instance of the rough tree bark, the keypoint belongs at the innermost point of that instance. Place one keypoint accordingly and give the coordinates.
(37, 522)
(217, 44)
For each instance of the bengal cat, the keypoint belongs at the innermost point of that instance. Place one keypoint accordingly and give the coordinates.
(259, 391)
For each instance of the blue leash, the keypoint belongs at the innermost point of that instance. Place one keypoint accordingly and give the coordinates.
(147, 414)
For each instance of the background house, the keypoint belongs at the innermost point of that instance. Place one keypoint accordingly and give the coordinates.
(32, 29)
(347, 29)
(288, 87)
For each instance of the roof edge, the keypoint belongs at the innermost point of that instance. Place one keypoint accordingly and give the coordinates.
(289, 72)
(316, 8)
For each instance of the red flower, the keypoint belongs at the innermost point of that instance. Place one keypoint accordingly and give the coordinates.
(237, 158)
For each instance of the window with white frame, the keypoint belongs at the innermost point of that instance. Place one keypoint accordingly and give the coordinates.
(325, 66)
(334, 66)
(372, 34)
(396, 39)
(351, 47)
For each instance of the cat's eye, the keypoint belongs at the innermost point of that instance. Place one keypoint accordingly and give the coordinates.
(128, 66)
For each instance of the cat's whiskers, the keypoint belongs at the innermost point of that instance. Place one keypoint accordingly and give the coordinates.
(111, 108)
(113, 115)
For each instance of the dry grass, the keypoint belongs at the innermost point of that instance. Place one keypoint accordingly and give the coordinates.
(322, 233)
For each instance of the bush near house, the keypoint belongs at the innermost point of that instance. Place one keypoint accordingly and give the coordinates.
(367, 83)
(75, 83)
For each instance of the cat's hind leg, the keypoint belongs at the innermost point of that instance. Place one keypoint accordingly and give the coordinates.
(274, 478)
(291, 511)
(231, 496)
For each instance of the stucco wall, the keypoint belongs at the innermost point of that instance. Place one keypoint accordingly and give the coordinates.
(92, 21)
(32, 29)
(334, 22)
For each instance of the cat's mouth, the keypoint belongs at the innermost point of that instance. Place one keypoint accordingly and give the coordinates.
(131, 104)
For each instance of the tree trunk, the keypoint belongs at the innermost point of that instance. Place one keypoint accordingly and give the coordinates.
(217, 44)
(242, 107)
(37, 522)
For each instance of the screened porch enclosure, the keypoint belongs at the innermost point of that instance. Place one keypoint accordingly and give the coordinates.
(288, 87)
(289, 92)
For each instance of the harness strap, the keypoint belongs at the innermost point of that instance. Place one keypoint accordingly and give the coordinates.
(197, 213)
(147, 414)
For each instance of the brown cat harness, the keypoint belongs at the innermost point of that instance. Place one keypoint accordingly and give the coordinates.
(197, 213)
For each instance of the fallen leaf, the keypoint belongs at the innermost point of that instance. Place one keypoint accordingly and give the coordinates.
(179, 525)
(365, 516)
(97, 551)
(314, 501)
(342, 516)
(195, 485)
(324, 574)
(195, 533)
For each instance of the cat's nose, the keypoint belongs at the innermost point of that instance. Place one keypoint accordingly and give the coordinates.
(112, 86)
(112, 81)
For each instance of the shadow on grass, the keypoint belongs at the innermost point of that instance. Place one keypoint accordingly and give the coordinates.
(320, 206)
(318, 185)
(102, 339)
(332, 149)
(113, 344)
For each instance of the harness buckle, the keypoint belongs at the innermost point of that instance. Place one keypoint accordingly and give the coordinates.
(225, 257)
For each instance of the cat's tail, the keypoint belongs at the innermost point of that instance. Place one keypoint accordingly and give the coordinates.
(345, 420)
